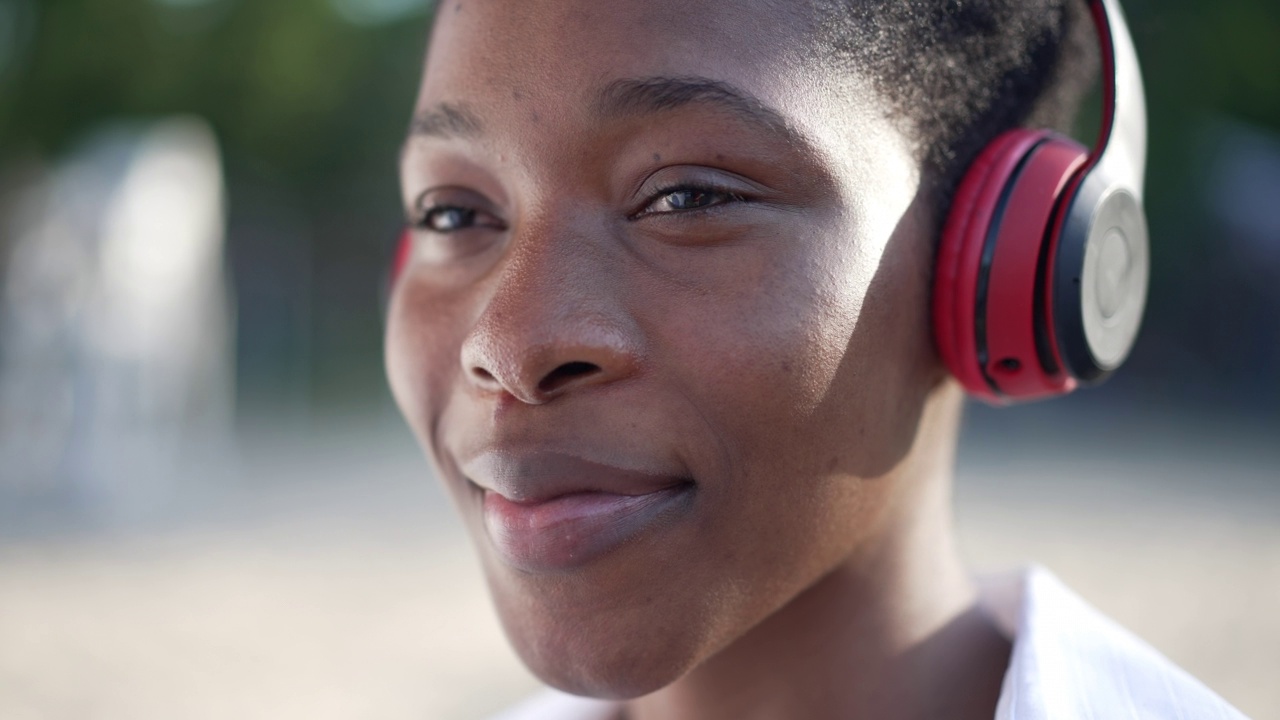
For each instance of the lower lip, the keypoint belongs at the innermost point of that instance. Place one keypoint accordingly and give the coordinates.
(573, 530)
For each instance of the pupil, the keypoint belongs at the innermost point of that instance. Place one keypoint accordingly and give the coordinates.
(688, 199)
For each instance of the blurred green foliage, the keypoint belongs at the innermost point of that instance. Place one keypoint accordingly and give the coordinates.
(294, 84)
(1202, 59)
(311, 107)
(289, 83)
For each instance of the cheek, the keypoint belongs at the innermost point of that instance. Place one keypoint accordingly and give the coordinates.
(760, 354)
(818, 366)
(764, 361)
(422, 347)
(808, 396)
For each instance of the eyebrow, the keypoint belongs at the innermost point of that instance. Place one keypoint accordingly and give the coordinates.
(446, 121)
(656, 95)
(629, 98)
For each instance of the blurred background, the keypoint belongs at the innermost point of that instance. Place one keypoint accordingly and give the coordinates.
(209, 509)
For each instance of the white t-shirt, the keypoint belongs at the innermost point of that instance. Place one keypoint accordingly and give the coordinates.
(1069, 662)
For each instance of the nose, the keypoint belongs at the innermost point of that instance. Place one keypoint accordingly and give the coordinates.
(556, 323)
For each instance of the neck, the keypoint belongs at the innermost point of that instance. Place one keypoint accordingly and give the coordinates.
(892, 633)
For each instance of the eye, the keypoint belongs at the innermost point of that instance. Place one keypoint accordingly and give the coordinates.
(451, 224)
(685, 199)
(452, 218)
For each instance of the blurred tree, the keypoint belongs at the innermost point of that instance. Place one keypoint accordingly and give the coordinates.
(282, 80)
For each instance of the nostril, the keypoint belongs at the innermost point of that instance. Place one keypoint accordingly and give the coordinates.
(565, 374)
(483, 375)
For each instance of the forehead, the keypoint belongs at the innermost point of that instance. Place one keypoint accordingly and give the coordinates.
(560, 47)
(533, 72)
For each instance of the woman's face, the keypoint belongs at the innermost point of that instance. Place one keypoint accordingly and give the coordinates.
(663, 329)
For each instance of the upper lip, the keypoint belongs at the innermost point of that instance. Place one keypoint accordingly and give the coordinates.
(529, 477)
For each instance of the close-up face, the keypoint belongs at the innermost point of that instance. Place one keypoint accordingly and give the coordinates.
(663, 324)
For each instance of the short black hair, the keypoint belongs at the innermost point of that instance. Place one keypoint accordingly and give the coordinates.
(960, 72)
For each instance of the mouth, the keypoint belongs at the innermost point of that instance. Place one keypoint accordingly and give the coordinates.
(548, 512)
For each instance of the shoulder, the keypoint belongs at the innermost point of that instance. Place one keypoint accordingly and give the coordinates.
(553, 705)
(1070, 661)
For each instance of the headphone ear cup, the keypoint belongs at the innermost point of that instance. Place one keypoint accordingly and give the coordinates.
(1022, 357)
(404, 249)
(990, 313)
(959, 259)
(399, 260)
(1098, 275)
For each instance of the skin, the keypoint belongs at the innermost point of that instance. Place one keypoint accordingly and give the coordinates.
(732, 292)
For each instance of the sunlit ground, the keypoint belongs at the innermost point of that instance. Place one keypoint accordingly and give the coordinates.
(326, 578)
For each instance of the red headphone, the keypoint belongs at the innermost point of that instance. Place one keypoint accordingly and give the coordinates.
(1042, 272)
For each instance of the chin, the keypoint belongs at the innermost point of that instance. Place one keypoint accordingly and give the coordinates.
(605, 643)
(612, 668)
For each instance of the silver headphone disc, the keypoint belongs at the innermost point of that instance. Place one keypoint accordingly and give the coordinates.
(1113, 292)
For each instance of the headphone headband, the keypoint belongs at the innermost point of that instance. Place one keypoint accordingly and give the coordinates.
(1121, 150)
(1101, 263)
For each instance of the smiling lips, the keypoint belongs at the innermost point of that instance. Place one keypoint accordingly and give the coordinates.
(549, 511)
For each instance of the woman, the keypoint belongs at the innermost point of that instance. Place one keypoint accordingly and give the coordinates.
(664, 328)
